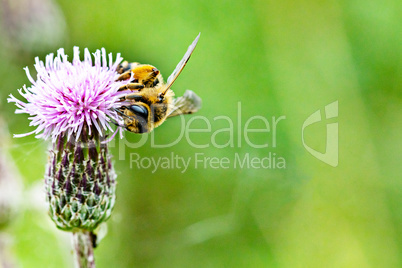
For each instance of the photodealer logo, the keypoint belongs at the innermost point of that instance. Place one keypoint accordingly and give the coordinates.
(330, 156)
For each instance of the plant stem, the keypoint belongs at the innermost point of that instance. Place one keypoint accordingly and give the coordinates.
(83, 249)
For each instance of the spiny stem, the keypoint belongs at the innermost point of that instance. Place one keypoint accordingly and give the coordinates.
(83, 249)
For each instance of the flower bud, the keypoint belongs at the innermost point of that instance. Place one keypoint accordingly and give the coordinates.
(80, 182)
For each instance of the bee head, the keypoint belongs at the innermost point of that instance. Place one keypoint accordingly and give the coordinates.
(139, 118)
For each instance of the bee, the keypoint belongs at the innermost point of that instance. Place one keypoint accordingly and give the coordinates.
(149, 101)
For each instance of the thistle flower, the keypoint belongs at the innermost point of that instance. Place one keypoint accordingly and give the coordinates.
(67, 96)
(72, 104)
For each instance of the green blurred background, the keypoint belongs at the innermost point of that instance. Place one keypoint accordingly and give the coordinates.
(277, 58)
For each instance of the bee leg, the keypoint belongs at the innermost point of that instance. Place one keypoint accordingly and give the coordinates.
(135, 86)
(124, 76)
(132, 86)
(134, 96)
(122, 67)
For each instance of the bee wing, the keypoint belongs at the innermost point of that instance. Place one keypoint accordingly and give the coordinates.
(182, 63)
(187, 104)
